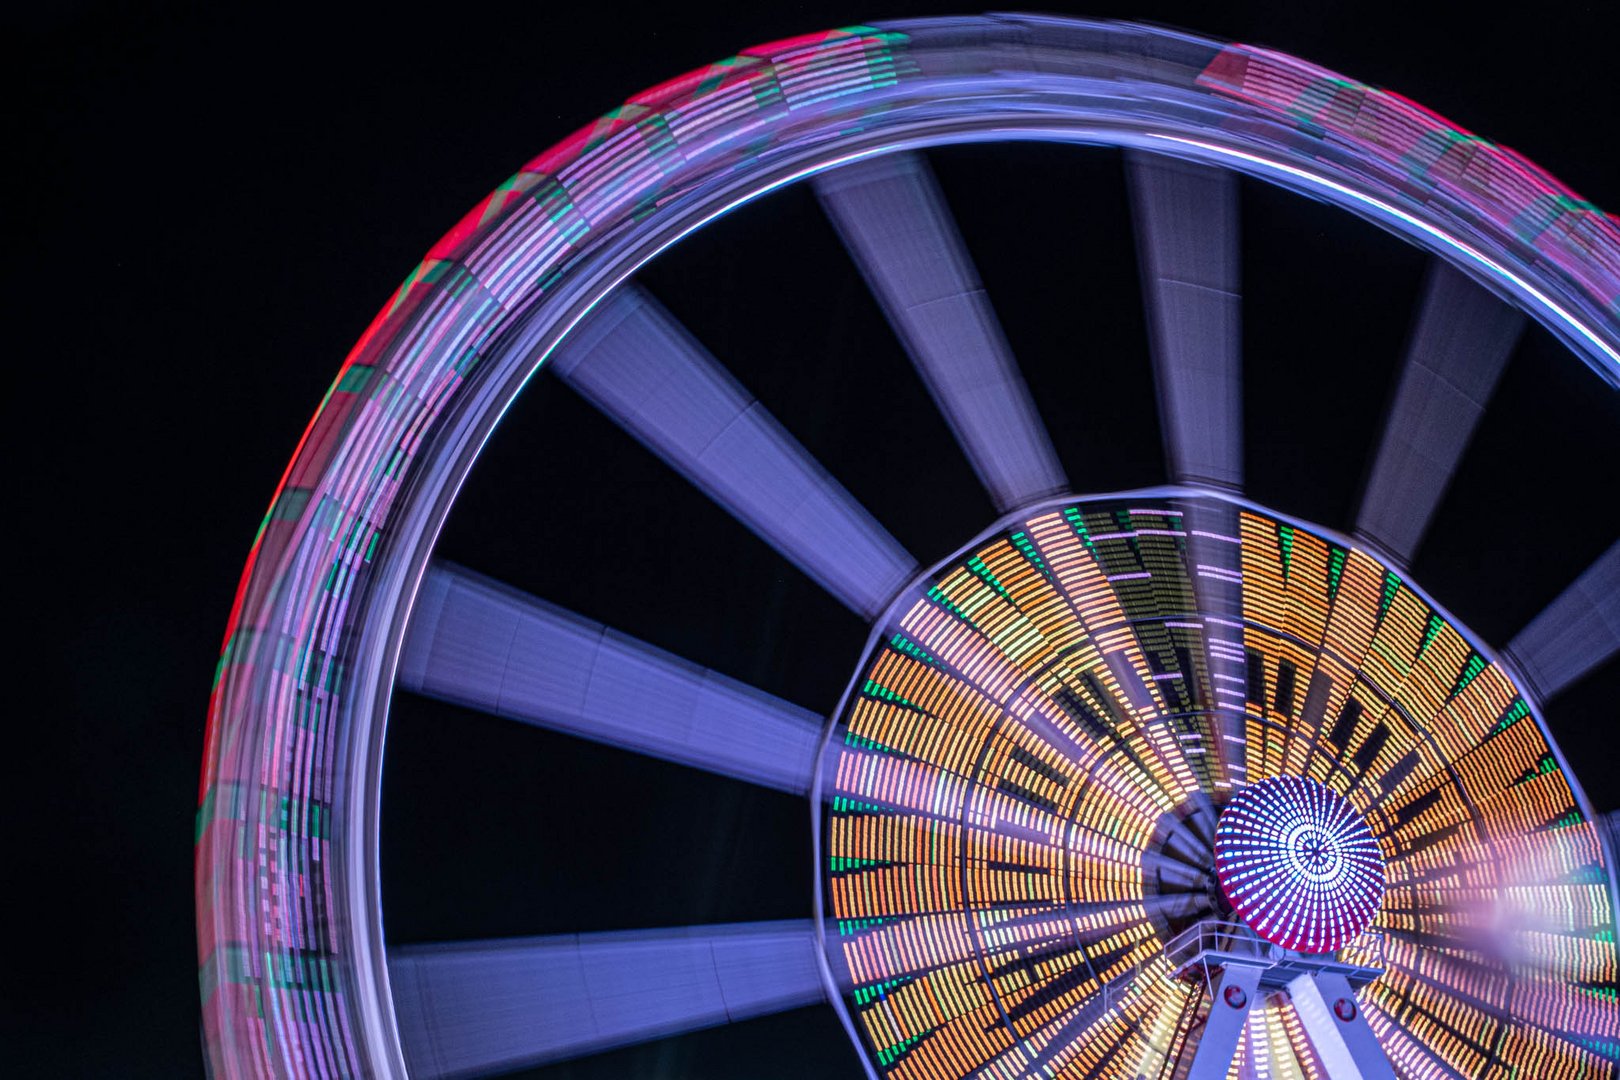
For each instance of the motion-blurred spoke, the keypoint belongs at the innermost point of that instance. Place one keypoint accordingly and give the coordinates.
(475, 642)
(1577, 632)
(1215, 558)
(479, 1007)
(895, 224)
(1187, 239)
(632, 360)
(1454, 359)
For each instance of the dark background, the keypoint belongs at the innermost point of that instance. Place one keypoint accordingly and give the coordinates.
(216, 203)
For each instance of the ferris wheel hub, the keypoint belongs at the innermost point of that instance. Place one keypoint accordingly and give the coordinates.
(1299, 864)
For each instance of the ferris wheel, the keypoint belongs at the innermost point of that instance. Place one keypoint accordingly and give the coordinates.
(1157, 783)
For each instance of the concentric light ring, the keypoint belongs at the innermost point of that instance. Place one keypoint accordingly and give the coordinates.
(1299, 864)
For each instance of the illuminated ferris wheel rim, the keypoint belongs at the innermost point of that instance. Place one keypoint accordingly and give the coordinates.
(924, 110)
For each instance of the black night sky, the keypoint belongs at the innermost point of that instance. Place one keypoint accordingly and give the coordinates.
(217, 201)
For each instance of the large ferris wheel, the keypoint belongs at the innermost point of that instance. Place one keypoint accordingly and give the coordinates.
(1150, 783)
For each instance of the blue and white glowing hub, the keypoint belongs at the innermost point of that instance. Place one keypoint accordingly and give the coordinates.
(1298, 864)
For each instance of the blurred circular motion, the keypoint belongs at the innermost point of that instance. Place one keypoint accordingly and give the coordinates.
(1015, 806)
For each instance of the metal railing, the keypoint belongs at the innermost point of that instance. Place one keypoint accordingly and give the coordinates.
(1236, 938)
(1209, 942)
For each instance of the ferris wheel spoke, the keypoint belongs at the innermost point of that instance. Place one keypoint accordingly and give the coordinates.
(1058, 1038)
(1187, 236)
(1576, 632)
(895, 223)
(636, 363)
(1457, 351)
(478, 643)
(469, 1008)
(1215, 555)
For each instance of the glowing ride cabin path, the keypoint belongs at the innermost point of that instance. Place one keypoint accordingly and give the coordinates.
(294, 969)
(1299, 864)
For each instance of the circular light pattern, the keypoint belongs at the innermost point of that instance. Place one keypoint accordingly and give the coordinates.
(1028, 722)
(1013, 804)
(1299, 864)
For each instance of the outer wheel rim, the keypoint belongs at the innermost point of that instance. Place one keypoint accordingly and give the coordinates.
(365, 1041)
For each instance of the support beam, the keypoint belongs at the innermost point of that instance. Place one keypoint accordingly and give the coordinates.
(1216, 571)
(632, 360)
(478, 1007)
(1455, 356)
(1187, 242)
(1333, 1020)
(896, 225)
(1230, 1001)
(1577, 632)
(478, 643)
(1609, 829)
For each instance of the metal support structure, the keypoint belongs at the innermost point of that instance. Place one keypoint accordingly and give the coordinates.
(1231, 997)
(1334, 1021)
(1217, 954)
